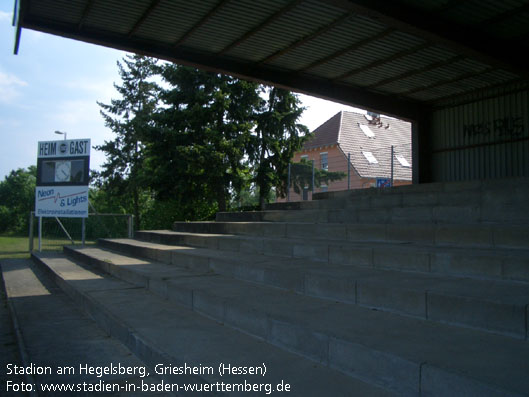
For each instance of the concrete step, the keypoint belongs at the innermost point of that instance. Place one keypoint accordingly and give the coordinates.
(397, 215)
(436, 192)
(476, 235)
(495, 201)
(499, 211)
(487, 263)
(174, 334)
(406, 355)
(9, 346)
(493, 306)
(53, 335)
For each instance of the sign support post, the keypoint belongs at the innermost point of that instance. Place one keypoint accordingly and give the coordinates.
(83, 231)
(40, 233)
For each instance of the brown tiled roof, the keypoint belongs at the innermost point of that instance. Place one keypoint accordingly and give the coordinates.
(326, 134)
(344, 129)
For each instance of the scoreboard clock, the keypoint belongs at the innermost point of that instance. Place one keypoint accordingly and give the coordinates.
(63, 163)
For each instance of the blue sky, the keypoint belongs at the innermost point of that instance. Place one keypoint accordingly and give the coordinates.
(54, 83)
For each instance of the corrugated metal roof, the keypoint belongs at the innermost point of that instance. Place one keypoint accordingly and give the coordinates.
(417, 49)
(159, 25)
(102, 16)
(62, 10)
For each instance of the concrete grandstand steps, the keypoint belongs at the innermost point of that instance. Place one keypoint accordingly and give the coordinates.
(424, 214)
(493, 201)
(406, 355)
(486, 263)
(468, 235)
(480, 191)
(52, 332)
(494, 306)
(174, 332)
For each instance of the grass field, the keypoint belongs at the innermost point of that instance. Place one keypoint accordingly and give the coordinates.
(18, 247)
(14, 247)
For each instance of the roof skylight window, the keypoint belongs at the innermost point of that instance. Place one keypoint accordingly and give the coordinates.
(369, 156)
(403, 161)
(366, 130)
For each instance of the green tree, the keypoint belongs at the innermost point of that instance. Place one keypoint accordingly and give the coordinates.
(301, 176)
(17, 198)
(277, 137)
(129, 117)
(196, 153)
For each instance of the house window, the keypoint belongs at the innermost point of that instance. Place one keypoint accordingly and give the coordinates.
(366, 130)
(304, 157)
(324, 188)
(369, 156)
(403, 161)
(324, 161)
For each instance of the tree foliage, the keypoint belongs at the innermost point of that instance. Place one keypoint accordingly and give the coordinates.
(198, 143)
(17, 200)
(301, 176)
(278, 136)
(196, 153)
(129, 117)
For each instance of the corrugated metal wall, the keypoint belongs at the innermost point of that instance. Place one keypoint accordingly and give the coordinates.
(482, 138)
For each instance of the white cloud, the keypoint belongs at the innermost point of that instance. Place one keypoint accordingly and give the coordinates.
(74, 113)
(6, 16)
(10, 87)
(102, 91)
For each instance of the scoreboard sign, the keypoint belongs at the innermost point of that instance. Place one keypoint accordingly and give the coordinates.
(62, 178)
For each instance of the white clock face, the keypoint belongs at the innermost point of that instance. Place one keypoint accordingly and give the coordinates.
(63, 171)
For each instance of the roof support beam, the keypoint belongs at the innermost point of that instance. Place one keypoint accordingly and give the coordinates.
(200, 23)
(145, 15)
(505, 15)
(17, 22)
(405, 109)
(308, 38)
(352, 47)
(263, 25)
(383, 61)
(433, 28)
(440, 83)
(84, 15)
(449, 5)
(413, 72)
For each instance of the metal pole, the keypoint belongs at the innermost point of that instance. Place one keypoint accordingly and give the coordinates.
(131, 225)
(312, 177)
(392, 151)
(64, 230)
(83, 231)
(31, 227)
(348, 171)
(40, 233)
(288, 182)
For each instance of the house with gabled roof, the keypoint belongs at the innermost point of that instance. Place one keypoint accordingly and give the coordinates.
(365, 141)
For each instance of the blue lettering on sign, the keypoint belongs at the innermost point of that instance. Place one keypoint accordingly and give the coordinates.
(46, 193)
(72, 202)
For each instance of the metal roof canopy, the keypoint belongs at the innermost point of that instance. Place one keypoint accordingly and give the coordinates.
(397, 57)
